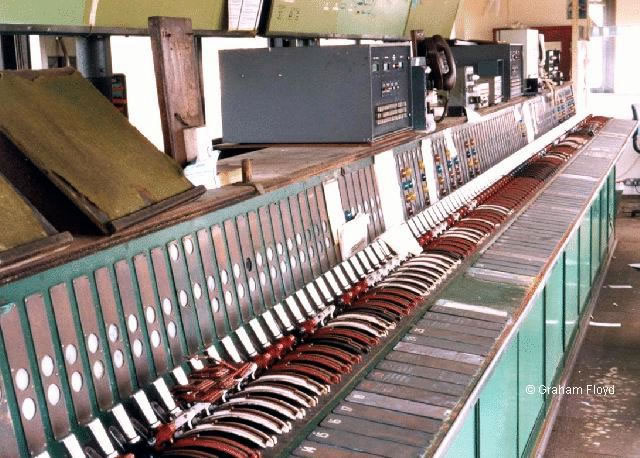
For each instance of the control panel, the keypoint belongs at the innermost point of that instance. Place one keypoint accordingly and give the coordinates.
(391, 88)
(359, 195)
(552, 109)
(448, 169)
(565, 104)
(495, 89)
(515, 67)
(552, 66)
(458, 155)
(470, 92)
(544, 113)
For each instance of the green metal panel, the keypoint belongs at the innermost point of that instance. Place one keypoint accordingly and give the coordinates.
(585, 259)
(571, 289)
(464, 444)
(604, 219)
(554, 316)
(609, 199)
(499, 408)
(16, 292)
(595, 237)
(530, 371)
(607, 188)
(612, 202)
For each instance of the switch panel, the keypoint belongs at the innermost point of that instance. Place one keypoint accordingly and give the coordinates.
(412, 175)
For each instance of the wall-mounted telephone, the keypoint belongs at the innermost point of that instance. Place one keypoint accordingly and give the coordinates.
(441, 71)
(439, 58)
(442, 63)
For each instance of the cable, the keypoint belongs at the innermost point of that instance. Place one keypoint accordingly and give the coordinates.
(623, 174)
(444, 112)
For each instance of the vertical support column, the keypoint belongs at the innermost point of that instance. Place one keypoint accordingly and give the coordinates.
(93, 60)
(178, 82)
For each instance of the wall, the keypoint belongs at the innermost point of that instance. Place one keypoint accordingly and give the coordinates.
(132, 56)
(628, 13)
(628, 36)
(625, 83)
(477, 18)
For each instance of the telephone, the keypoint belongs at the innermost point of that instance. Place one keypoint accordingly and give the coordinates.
(443, 65)
(440, 73)
(439, 58)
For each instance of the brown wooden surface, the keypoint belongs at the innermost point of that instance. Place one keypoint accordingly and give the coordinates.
(178, 81)
(228, 174)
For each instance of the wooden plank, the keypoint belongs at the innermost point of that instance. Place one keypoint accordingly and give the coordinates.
(177, 80)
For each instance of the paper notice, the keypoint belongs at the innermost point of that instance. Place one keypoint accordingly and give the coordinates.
(334, 207)
(388, 186)
(401, 241)
(244, 14)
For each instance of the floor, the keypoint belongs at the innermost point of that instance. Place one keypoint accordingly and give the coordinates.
(595, 424)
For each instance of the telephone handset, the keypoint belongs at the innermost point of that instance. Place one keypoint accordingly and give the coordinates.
(442, 63)
(442, 76)
(439, 58)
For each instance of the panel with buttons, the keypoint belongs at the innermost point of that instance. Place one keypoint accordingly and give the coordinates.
(390, 86)
(565, 104)
(441, 168)
(413, 178)
(391, 112)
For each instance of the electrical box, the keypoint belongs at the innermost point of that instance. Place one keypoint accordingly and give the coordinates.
(317, 94)
(469, 92)
(530, 41)
(516, 70)
(488, 60)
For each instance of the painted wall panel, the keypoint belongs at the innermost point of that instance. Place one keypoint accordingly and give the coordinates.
(58, 12)
(205, 14)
